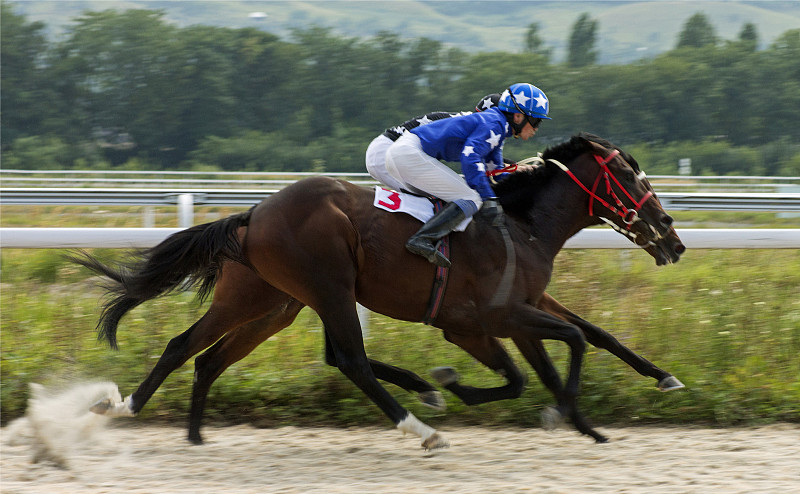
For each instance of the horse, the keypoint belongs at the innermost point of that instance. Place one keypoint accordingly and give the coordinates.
(237, 343)
(320, 243)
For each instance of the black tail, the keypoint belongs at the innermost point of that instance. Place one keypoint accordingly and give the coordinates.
(189, 258)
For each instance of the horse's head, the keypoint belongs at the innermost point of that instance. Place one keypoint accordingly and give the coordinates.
(620, 194)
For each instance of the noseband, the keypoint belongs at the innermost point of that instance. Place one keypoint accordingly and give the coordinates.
(629, 215)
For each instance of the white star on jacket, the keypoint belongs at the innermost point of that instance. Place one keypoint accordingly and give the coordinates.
(468, 150)
(424, 120)
(493, 140)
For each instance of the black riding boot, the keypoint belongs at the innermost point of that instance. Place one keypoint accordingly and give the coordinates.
(425, 242)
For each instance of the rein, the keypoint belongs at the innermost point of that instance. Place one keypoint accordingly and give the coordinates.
(629, 215)
(510, 168)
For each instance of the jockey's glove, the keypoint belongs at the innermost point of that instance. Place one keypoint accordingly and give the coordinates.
(492, 211)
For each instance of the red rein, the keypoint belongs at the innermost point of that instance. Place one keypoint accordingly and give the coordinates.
(628, 215)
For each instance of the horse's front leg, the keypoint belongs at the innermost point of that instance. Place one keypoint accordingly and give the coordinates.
(535, 353)
(490, 352)
(600, 338)
(527, 323)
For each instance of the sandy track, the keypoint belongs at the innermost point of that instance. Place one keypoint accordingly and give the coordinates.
(242, 459)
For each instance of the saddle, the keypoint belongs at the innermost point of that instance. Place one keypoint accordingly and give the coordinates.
(421, 208)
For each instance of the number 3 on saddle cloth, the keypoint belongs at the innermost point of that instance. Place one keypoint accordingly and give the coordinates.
(423, 209)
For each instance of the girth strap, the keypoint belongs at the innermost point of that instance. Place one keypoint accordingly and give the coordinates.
(440, 281)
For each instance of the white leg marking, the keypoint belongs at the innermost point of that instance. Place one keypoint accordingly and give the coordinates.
(111, 408)
(413, 425)
(430, 438)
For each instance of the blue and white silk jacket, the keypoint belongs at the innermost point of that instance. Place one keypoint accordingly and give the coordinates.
(475, 140)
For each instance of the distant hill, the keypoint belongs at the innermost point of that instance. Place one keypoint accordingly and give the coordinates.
(627, 30)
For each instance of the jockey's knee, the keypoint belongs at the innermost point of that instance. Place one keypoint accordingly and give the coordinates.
(469, 206)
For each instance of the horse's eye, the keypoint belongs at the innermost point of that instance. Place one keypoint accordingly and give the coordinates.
(629, 176)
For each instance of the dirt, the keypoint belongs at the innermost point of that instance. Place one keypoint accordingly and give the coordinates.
(126, 457)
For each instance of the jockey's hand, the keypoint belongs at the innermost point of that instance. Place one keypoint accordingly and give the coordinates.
(492, 211)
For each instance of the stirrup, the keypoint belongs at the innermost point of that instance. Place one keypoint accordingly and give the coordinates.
(432, 256)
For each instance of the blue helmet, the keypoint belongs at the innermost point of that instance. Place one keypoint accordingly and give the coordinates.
(526, 99)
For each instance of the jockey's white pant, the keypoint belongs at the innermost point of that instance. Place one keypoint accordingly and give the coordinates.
(419, 171)
(376, 162)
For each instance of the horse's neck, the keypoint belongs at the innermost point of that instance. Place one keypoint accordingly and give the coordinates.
(558, 216)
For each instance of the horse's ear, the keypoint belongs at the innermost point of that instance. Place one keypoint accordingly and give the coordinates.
(592, 145)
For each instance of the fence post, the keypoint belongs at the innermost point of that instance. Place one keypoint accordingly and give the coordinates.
(149, 217)
(185, 210)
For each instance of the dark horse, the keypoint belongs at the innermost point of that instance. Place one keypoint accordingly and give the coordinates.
(320, 243)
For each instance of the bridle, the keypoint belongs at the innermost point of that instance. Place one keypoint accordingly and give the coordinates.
(628, 215)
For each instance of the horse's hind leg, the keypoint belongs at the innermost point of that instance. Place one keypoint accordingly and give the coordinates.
(427, 393)
(602, 339)
(231, 348)
(490, 352)
(341, 320)
(237, 301)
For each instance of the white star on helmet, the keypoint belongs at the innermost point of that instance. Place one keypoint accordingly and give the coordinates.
(521, 98)
(541, 100)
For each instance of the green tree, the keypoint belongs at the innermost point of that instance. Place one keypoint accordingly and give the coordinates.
(534, 43)
(582, 42)
(779, 87)
(748, 36)
(125, 68)
(697, 32)
(26, 98)
(265, 83)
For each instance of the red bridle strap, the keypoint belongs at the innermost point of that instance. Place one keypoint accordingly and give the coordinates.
(628, 215)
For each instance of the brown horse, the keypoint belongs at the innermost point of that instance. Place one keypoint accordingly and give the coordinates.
(239, 342)
(320, 243)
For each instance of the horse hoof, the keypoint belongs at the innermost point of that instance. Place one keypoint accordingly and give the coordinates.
(552, 419)
(435, 441)
(445, 376)
(196, 440)
(433, 399)
(669, 383)
(102, 406)
(112, 408)
(601, 440)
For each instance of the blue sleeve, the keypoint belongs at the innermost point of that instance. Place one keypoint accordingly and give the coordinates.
(496, 157)
(485, 144)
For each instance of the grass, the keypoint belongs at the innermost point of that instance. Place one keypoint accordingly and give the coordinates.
(727, 323)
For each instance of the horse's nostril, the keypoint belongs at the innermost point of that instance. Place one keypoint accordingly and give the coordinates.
(680, 249)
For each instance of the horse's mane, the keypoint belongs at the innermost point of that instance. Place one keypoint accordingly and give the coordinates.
(519, 191)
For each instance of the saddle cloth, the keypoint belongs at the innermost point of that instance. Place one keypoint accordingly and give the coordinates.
(420, 208)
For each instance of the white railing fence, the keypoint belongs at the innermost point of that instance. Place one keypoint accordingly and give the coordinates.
(592, 238)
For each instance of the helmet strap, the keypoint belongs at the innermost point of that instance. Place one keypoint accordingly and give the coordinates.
(516, 127)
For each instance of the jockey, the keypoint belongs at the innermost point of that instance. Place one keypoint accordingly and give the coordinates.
(376, 151)
(476, 141)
